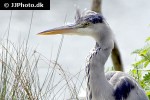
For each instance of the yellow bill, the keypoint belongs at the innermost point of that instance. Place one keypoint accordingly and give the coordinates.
(60, 30)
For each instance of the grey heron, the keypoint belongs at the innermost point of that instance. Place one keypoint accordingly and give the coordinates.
(114, 85)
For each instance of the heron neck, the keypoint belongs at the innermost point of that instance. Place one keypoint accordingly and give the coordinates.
(103, 36)
(97, 82)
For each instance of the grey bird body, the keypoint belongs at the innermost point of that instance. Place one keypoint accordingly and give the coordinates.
(114, 85)
(100, 86)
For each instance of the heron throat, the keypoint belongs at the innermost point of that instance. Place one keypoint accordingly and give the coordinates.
(95, 67)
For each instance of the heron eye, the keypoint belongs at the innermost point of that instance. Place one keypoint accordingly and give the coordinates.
(86, 24)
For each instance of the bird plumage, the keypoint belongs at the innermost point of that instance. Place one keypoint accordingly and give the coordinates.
(125, 87)
(100, 86)
(113, 85)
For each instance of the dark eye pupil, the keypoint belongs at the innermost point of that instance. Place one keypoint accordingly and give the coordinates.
(86, 23)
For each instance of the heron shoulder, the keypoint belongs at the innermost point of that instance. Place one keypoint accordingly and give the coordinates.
(124, 85)
(123, 88)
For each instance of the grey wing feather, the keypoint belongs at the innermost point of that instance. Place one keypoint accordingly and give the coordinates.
(124, 85)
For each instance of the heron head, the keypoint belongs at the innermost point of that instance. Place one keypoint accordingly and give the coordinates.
(86, 24)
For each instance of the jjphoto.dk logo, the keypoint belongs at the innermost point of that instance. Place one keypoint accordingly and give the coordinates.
(25, 5)
(39, 4)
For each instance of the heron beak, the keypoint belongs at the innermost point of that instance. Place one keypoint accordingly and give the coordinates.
(61, 30)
